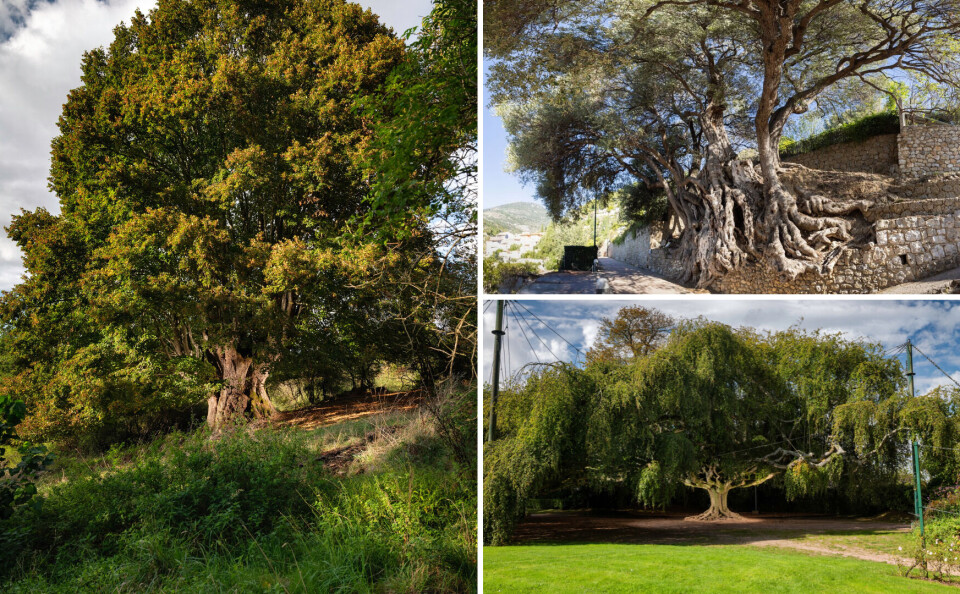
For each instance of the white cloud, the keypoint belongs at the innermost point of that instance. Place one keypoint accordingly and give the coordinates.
(39, 64)
(933, 326)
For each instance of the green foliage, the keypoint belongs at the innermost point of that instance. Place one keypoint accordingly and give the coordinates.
(496, 272)
(540, 439)
(17, 482)
(247, 511)
(219, 215)
(708, 407)
(860, 129)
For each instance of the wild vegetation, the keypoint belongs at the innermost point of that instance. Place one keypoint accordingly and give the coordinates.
(663, 97)
(253, 196)
(259, 511)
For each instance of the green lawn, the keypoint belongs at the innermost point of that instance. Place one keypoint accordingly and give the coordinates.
(668, 568)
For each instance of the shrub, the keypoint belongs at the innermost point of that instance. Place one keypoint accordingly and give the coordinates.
(495, 272)
(855, 131)
(17, 480)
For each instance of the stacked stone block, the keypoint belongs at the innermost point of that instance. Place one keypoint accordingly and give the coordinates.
(928, 150)
(873, 155)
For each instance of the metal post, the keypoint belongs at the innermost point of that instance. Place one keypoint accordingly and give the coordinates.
(916, 474)
(910, 373)
(497, 335)
(917, 496)
(595, 222)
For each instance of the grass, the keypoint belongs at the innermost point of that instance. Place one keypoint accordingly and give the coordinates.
(252, 512)
(888, 542)
(669, 568)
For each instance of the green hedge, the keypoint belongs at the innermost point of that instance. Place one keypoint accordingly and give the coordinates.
(862, 129)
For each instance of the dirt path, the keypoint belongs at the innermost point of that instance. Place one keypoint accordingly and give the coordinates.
(770, 530)
(346, 408)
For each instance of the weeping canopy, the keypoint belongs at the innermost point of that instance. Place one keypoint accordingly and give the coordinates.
(717, 409)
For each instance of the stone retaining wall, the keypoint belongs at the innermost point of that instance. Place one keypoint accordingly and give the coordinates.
(926, 150)
(634, 249)
(873, 155)
(907, 248)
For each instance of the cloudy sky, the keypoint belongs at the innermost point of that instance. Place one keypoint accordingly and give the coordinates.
(41, 44)
(934, 326)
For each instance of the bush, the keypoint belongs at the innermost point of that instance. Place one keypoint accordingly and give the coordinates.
(855, 131)
(496, 273)
(249, 512)
(17, 481)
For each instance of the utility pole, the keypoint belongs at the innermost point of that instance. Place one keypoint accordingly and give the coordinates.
(497, 336)
(595, 222)
(915, 447)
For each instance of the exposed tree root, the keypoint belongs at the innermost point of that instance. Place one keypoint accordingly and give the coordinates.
(714, 515)
(731, 220)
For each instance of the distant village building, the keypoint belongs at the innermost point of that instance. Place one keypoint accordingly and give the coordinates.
(506, 240)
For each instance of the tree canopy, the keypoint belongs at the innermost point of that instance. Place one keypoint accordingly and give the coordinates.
(659, 98)
(223, 221)
(716, 409)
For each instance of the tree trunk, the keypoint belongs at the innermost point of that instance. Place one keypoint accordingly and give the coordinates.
(718, 487)
(735, 210)
(243, 392)
(718, 506)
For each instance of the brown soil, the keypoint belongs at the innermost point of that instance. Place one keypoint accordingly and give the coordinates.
(776, 530)
(339, 460)
(349, 407)
(672, 528)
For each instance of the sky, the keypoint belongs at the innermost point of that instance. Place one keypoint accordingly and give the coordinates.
(499, 186)
(41, 45)
(933, 326)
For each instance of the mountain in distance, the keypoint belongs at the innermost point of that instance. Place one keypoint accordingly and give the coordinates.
(516, 217)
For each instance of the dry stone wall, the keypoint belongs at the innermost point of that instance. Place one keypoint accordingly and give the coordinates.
(873, 155)
(928, 150)
(634, 249)
(907, 248)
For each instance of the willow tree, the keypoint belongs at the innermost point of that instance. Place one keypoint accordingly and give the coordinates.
(208, 169)
(656, 98)
(714, 409)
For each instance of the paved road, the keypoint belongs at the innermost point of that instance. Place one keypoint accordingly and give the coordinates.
(625, 279)
(930, 285)
(619, 277)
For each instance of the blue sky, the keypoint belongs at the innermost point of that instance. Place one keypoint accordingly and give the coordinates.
(41, 44)
(499, 187)
(934, 326)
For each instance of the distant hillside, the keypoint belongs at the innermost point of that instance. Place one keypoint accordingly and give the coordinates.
(516, 217)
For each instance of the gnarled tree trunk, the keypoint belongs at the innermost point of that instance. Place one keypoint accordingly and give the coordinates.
(243, 392)
(718, 488)
(719, 510)
(735, 210)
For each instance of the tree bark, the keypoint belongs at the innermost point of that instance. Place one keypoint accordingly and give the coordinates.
(719, 510)
(718, 488)
(243, 392)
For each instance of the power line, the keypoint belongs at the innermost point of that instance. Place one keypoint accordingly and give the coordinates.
(548, 327)
(522, 331)
(947, 375)
(545, 345)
